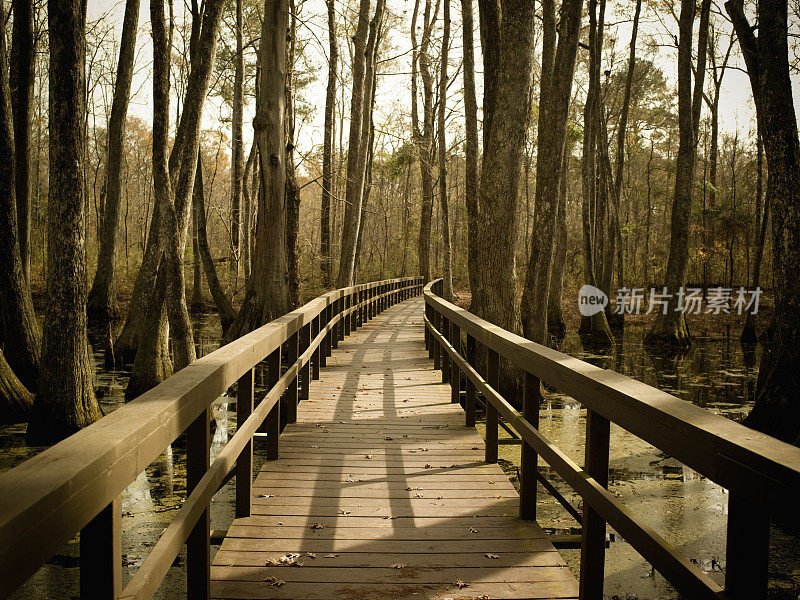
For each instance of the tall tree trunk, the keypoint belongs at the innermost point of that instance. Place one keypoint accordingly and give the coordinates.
(496, 297)
(489, 15)
(749, 335)
(556, 326)
(777, 407)
(247, 214)
(442, 144)
(355, 176)
(16, 400)
(197, 265)
(267, 296)
(594, 328)
(221, 301)
(20, 329)
(23, 73)
(471, 144)
(237, 150)
(65, 400)
(424, 137)
(292, 189)
(558, 67)
(103, 295)
(669, 329)
(327, 148)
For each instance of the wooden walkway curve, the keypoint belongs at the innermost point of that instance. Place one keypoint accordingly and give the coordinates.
(382, 492)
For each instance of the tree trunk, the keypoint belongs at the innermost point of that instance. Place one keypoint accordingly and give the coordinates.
(197, 265)
(237, 150)
(355, 175)
(20, 328)
(65, 400)
(669, 329)
(777, 407)
(23, 73)
(749, 335)
(442, 144)
(556, 326)
(327, 149)
(496, 297)
(221, 301)
(103, 295)
(267, 296)
(16, 400)
(553, 109)
(471, 145)
(489, 15)
(247, 216)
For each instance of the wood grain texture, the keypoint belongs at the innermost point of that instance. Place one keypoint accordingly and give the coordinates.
(381, 480)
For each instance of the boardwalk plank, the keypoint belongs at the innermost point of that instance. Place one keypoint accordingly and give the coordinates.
(384, 484)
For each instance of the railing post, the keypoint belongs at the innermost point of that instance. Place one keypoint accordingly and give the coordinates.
(340, 326)
(101, 554)
(360, 311)
(354, 314)
(437, 348)
(455, 376)
(335, 328)
(198, 544)
(304, 376)
(593, 540)
(747, 552)
(291, 392)
(326, 340)
(346, 317)
(529, 464)
(469, 405)
(272, 424)
(492, 418)
(445, 329)
(315, 329)
(244, 464)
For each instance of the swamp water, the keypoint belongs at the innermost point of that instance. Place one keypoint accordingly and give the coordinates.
(684, 507)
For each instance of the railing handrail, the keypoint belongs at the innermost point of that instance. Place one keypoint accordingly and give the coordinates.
(50, 497)
(682, 429)
(761, 473)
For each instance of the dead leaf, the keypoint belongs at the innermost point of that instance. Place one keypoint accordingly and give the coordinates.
(490, 555)
(330, 556)
(427, 467)
(473, 530)
(399, 566)
(275, 581)
(266, 495)
(460, 584)
(316, 526)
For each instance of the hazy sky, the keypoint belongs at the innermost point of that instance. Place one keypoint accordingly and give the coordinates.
(393, 94)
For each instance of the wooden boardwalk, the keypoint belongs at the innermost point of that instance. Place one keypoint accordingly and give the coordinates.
(381, 492)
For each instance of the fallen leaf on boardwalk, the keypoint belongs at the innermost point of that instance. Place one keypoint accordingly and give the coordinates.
(427, 466)
(368, 457)
(388, 438)
(275, 581)
(344, 512)
(266, 495)
(309, 554)
(399, 566)
(280, 522)
(330, 556)
(474, 447)
(418, 495)
(473, 530)
(349, 480)
(316, 526)
(461, 584)
(490, 555)
(290, 560)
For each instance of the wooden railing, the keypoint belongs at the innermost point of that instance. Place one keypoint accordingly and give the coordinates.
(75, 486)
(762, 474)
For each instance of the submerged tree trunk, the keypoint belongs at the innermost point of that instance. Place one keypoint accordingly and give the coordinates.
(327, 149)
(471, 143)
(103, 295)
(777, 407)
(20, 328)
(496, 297)
(442, 144)
(669, 328)
(267, 296)
(65, 400)
(558, 66)
(23, 66)
(221, 301)
(749, 335)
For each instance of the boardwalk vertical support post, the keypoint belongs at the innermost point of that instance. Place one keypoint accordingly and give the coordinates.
(291, 392)
(304, 376)
(326, 342)
(529, 464)
(198, 544)
(593, 540)
(445, 357)
(345, 315)
(101, 554)
(428, 345)
(469, 405)
(492, 418)
(455, 381)
(360, 311)
(272, 424)
(747, 552)
(315, 360)
(335, 328)
(341, 306)
(244, 464)
(437, 349)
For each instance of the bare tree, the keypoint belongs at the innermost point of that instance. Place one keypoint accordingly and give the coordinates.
(471, 145)
(442, 144)
(103, 294)
(65, 400)
(327, 148)
(237, 150)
